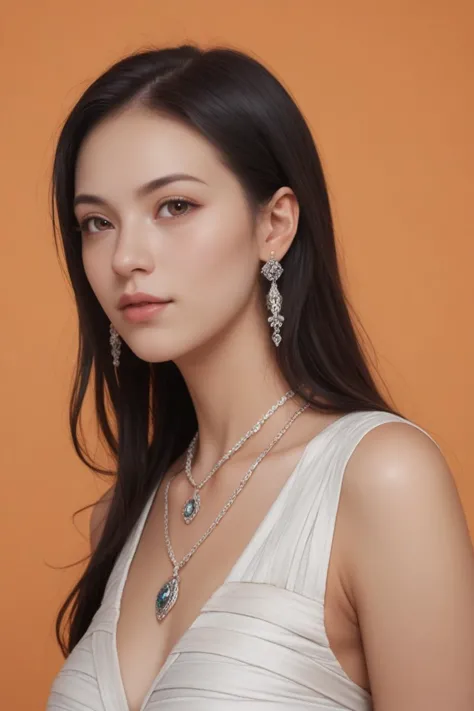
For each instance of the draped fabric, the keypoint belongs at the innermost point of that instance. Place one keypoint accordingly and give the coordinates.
(259, 641)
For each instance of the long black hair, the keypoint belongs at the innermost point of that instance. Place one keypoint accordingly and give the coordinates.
(145, 413)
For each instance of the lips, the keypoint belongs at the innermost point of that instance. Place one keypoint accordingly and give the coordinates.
(142, 312)
(140, 298)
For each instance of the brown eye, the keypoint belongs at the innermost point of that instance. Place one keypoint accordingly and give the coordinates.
(98, 221)
(179, 207)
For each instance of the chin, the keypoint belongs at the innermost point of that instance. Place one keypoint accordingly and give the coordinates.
(156, 355)
(181, 346)
(153, 352)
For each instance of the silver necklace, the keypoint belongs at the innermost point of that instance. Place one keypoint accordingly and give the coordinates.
(168, 593)
(193, 504)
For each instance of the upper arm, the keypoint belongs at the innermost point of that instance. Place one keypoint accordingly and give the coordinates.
(98, 517)
(410, 568)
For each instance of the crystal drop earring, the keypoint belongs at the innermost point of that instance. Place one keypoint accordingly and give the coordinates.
(273, 270)
(115, 343)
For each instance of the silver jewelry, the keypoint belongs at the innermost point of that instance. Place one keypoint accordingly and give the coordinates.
(168, 593)
(116, 344)
(273, 270)
(192, 505)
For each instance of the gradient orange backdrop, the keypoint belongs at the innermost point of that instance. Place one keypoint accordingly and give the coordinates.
(387, 90)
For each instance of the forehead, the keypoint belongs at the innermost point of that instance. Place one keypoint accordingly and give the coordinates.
(138, 145)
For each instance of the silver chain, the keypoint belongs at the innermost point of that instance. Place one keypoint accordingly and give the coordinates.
(252, 431)
(177, 566)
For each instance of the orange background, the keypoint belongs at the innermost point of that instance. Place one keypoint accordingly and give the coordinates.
(387, 90)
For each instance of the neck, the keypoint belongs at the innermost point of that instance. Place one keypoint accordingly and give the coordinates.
(233, 382)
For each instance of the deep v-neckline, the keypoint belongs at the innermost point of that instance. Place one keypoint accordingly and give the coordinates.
(267, 521)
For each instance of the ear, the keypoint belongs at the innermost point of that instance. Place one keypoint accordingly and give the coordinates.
(278, 224)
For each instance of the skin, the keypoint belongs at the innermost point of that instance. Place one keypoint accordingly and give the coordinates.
(399, 607)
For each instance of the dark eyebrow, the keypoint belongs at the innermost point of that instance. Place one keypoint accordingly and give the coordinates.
(142, 190)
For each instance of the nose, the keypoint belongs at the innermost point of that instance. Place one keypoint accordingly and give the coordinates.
(133, 250)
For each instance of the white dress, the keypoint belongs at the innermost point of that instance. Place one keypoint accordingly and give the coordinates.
(259, 641)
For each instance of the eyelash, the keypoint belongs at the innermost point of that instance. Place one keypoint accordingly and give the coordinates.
(86, 220)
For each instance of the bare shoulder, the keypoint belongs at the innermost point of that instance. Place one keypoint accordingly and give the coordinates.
(396, 463)
(99, 516)
(408, 565)
(398, 475)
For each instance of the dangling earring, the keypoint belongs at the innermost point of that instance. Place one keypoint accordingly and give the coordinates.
(115, 343)
(272, 269)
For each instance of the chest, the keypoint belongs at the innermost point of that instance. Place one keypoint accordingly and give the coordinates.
(144, 644)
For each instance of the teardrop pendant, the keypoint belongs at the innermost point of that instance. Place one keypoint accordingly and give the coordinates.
(166, 598)
(191, 507)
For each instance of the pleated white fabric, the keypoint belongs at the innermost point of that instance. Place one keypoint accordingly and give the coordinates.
(260, 640)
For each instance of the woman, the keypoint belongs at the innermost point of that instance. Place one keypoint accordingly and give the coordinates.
(234, 395)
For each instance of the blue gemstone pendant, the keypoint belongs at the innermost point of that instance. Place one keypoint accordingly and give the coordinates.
(191, 507)
(166, 598)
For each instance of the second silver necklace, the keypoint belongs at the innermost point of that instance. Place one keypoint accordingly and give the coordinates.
(193, 504)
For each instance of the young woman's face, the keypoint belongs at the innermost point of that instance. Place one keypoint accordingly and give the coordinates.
(189, 241)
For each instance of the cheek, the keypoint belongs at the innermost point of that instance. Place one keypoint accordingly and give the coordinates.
(91, 270)
(219, 282)
(220, 259)
(222, 246)
(96, 270)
